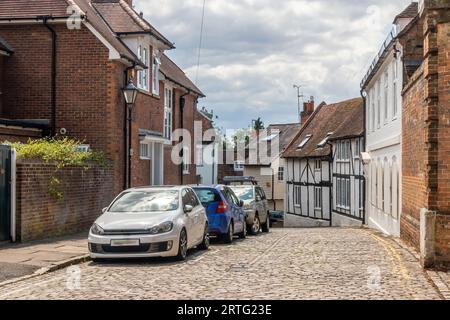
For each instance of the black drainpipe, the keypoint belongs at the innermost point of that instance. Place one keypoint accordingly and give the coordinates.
(182, 103)
(127, 138)
(53, 81)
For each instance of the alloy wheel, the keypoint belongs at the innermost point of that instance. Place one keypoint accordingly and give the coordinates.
(256, 226)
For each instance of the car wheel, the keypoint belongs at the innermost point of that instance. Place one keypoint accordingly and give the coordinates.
(243, 234)
(228, 238)
(255, 226)
(182, 246)
(205, 243)
(266, 226)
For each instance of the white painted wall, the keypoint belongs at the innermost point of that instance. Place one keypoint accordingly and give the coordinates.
(208, 171)
(384, 145)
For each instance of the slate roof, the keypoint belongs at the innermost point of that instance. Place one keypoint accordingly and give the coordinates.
(344, 119)
(410, 11)
(173, 73)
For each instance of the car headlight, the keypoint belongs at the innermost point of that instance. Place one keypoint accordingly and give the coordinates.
(162, 228)
(96, 229)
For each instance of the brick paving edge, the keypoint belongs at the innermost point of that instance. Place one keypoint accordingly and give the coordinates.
(48, 269)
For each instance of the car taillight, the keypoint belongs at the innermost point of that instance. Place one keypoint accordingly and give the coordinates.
(221, 207)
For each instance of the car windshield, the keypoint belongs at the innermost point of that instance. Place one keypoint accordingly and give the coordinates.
(146, 201)
(207, 196)
(243, 193)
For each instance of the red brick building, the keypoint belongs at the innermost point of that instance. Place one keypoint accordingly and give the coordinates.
(425, 221)
(63, 65)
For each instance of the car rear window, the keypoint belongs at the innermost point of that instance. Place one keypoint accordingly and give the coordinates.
(242, 192)
(207, 196)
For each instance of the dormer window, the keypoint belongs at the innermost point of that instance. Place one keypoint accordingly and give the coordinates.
(325, 140)
(305, 141)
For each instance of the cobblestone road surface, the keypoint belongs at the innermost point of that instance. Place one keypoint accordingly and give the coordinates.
(328, 263)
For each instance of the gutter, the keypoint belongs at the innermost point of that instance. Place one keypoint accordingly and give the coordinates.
(53, 77)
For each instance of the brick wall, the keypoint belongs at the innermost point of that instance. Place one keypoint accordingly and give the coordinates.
(40, 215)
(426, 133)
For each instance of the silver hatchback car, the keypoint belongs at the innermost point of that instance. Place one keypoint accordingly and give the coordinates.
(255, 207)
(150, 222)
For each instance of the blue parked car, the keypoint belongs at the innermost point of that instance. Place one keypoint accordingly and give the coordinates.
(226, 216)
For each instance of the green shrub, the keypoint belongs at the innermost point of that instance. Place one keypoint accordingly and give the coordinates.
(61, 151)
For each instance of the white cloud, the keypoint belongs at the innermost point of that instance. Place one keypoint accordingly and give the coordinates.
(255, 50)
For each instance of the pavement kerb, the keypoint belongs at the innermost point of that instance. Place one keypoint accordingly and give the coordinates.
(51, 268)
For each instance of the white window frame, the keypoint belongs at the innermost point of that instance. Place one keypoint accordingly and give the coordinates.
(238, 165)
(395, 89)
(317, 165)
(143, 82)
(344, 151)
(297, 196)
(318, 198)
(386, 96)
(155, 75)
(199, 155)
(145, 151)
(343, 189)
(168, 113)
(186, 160)
(379, 104)
(280, 173)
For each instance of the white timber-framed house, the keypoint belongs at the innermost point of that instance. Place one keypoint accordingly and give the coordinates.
(323, 174)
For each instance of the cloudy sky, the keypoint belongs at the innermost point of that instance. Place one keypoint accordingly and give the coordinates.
(253, 51)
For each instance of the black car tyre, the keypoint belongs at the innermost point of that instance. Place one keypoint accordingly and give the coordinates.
(255, 226)
(228, 237)
(205, 243)
(243, 234)
(266, 225)
(182, 246)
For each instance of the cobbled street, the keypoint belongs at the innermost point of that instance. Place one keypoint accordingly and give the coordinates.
(328, 263)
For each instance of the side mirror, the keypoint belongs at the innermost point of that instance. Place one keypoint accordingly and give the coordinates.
(104, 209)
(188, 208)
(241, 203)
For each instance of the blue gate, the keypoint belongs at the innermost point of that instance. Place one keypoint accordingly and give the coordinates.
(5, 193)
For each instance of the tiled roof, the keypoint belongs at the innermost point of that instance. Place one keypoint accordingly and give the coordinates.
(275, 133)
(4, 46)
(344, 119)
(410, 12)
(122, 19)
(32, 8)
(172, 72)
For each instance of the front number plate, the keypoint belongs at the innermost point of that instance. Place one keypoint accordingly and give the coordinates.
(125, 243)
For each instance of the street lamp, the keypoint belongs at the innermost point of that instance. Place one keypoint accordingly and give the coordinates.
(130, 93)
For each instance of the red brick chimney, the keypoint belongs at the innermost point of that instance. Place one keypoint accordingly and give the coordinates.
(308, 109)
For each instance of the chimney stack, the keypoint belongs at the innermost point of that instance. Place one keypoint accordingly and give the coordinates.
(308, 109)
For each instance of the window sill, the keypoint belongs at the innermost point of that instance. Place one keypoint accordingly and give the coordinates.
(144, 158)
(297, 206)
(144, 91)
(185, 173)
(157, 96)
